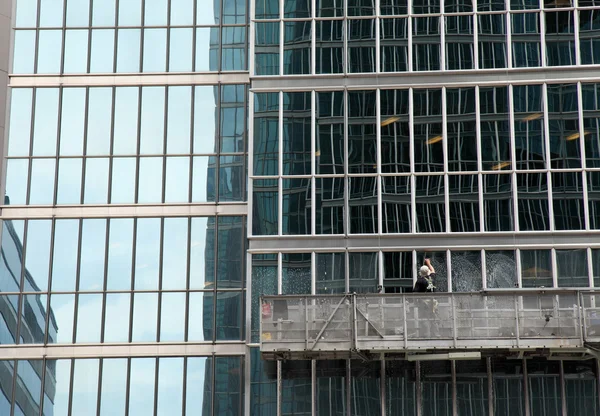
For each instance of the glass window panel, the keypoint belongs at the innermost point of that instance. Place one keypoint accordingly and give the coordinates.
(207, 49)
(177, 178)
(91, 266)
(498, 212)
(234, 11)
(51, 13)
(10, 267)
(593, 183)
(155, 13)
(363, 272)
(362, 135)
(172, 317)
(567, 200)
(24, 52)
(436, 387)
(130, 13)
(181, 12)
(400, 387)
(103, 13)
(296, 274)
(102, 50)
(123, 180)
(361, 45)
(150, 180)
(581, 378)
(145, 311)
(463, 193)
(266, 133)
(64, 263)
(393, 7)
(331, 387)
(170, 385)
(69, 181)
(500, 269)
(20, 121)
(45, 122)
(141, 386)
(128, 50)
(179, 120)
(459, 41)
(330, 273)
(266, 48)
(589, 39)
(426, 43)
(494, 126)
(297, 9)
(563, 116)
(532, 189)
(461, 127)
(526, 39)
(126, 121)
(472, 394)
(438, 261)
(572, 268)
(205, 119)
(591, 124)
(524, 4)
(428, 139)
(330, 46)
(76, 51)
(263, 384)
(228, 385)
(426, 6)
(233, 50)
(233, 118)
(198, 373)
(174, 256)
(264, 282)
(296, 206)
(230, 249)
(78, 13)
(536, 268)
(33, 319)
(96, 181)
(365, 387)
(203, 179)
(99, 121)
(72, 121)
(89, 318)
(200, 317)
(492, 39)
(63, 308)
(544, 385)
(155, 50)
(431, 211)
(180, 50)
(265, 207)
(466, 271)
(232, 178)
(229, 316)
(114, 386)
(28, 384)
(296, 47)
(37, 260)
(116, 321)
(396, 199)
(529, 127)
(120, 252)
(42, 181)
(394, 44)
(57, 385)
(147, 254)
(329, 133)
(153, 120)
(26, 13)
(330, 205)
(363, 205)
(202, 254)
(560, 38)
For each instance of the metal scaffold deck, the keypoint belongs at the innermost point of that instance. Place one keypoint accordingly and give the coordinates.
(553, 323)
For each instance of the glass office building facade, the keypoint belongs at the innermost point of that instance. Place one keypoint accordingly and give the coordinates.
(166, 162)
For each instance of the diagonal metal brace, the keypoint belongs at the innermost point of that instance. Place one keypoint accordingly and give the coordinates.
(318, 337)
(369, 322)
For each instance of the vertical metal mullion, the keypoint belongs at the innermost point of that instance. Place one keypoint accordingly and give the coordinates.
(21, 296)
(48, 282)
(313, 163)
(445, 155)
(139, 139)
(409, 64)
(454, 392)
(105, 278)
(250, 158)
(475, 38)
(414, 268)
(218, 144)
(13, 400)
(442, 26)
(116, 49)
(554, 268)
(548, 156)
(71, 379)
(63, 37)
(590, 265)
(112, 142)
(584, 187)
(449, 268)
(192, 132)
(411, 150)
(85, 137)
(30, 155)
(490, 386)
(542, 17)
(481, 177)
(508, 30)
(215, 278)
(165, 136)
(127, 386)
(280, 166)
(77, 278)
(313, 389)
(519, 268)
(348, 388)
(160, 276)
(184, 388)
(378, 158)
(99, 396)
(418, 389)
(377, 21)
(483, 271)
(37, 36)
(279, 272)
(44, 362)
(281, 38)
(132, 285)
(168, 40)
(142, 36)
(563, 392)
(513, 155)
(382, 387)
(526, 388)
(156, 371)
(187, 280)
(576, 38)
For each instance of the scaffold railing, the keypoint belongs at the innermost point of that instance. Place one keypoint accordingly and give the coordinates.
(330, 326)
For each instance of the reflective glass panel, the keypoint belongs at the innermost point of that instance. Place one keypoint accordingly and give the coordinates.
(207, 49)
(102, 50)
(64, 263)
(296, 47)
(567, 200)
(461, 127)
(130, 13)
(363, 205)
(180, 50)
(426, 43)
(128, 50)
(296, 206)
(472, 394)
(45, 122)
(264, 282)
(51, 13)
(572, 268)
(232, 178)
(529, 127)
(233, 48)
(428, 139)
(205, 119)
(24, 52)
(179, 119)
(543, 381)
(589, 40)
(296, 133)
(120, 252)
(203, 178)
(42, 181)
(593, 182)
(536, 268)
(58, 388)
(99, 121)
(117, 314)
(330, 205)
(123, 180)
(96, 181)
(365, 387)
(400, 387)
(155, 50)
(494, 125)
(396, 199)
(200, 317)
(330, 273)
(393, 37)
(174, 255)
(145, 311)
(76, 51)
(78, 13)
(563, 116)
(103, 13)
(426, 6)
(234, 11)
(580, 380)
(329, 131)
(438, 261)
(498, 211)
(114, 386)
(463, 193)
(560, 38)
(296, 274)
(17, 172)
(229, 316)
(362, 136)
(20, 121)
(170, 385)
(142, 386)
(395, 136)
(37, 260)
(69, 181)
(147, 254)
(72, 121)
(89, 318)
(26, 13)
(198, 373)
(91, 261)
(331, 388)
(153, 120)
(431, 210)
(330, 46)
(591, 123)
(500, 269)
(177, 178)
(364, 272)
(466, 271)
(150, 178)
(172, 317)
(202, 253)
(155, 12)
(436, 387)
(126, 121)
(63, 308)
(526, 39)
(230, 249)
(266, 133)
(33, 318)
(296, 388)
(459, 40)
(182, 11)
(361, 45)
(492, 39)
(266, 49)
(532, 190)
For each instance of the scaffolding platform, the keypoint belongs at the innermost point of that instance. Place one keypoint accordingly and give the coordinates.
(518, 322)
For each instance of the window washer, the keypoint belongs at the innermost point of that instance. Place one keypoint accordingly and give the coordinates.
(426, 309)
(425, 280)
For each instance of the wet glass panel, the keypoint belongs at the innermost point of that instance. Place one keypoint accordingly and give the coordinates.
(179, 120)
(436, 388)
(428, 139)
(395, 135)
(91, 263)
(532, 190)
(182, 12)
(364, 272)
(361, 45)
(464, 203)
(16, 181)
(329, 205)
(563, 116)
(180, 50)
(96, 181)
(174, 256)
(202, 253)
(331, 387)
(177, 178)
(466, 271)
(20, 121)
(130, 13)
(42, 181)
(492, 39)
(263, 385)
(61, 330)
(229, 316)
(203, 178)
(536, 268)
(365, 387)
(170, 385)
(296, 274)
(155, 50)
(589, 36)
(147, 254)
(78, 13)
(393, 38)
(494, 125)
(114, 386)
(120, 252)
(233, 49)
(567, 199)
(153, 120)
(232, 178)
(172, 317)
(207, 49)
(89, 318)
(266, 48)
(128, 50)
(141, 386)
(543, 381)
(24, 52)
(560, 38)
(500, 269)
(472, 394)
(438, 261)
(593, 183)
(64, 262)
(102, 50)
(330, 46)
(145, 311)
(76, 51)
(33, 318)
(37, 260)
(205, 119)
(230, 264)
(155, 12)
(26, 13)
(396, 201)
(329, 133)
(99, 121)
(426, 43)
(330, 273)
(461, 126)
(123, 181)
(363, 205)
(51, 13)
(296, 47)
(45, 122)
(116, 321)
(103, 13)
(362, 135)
(400, 387)
(265, 207)
(72, 121)
(580, 379)
(57, 386)
(150, 180)
(526, 40)
(200, 316)
(126, 121)
(431, 210)
(198, 373)
(529, 127)
(296, 206)
(264, 282)
(572, 268)
(459, 41)
(69, 181)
